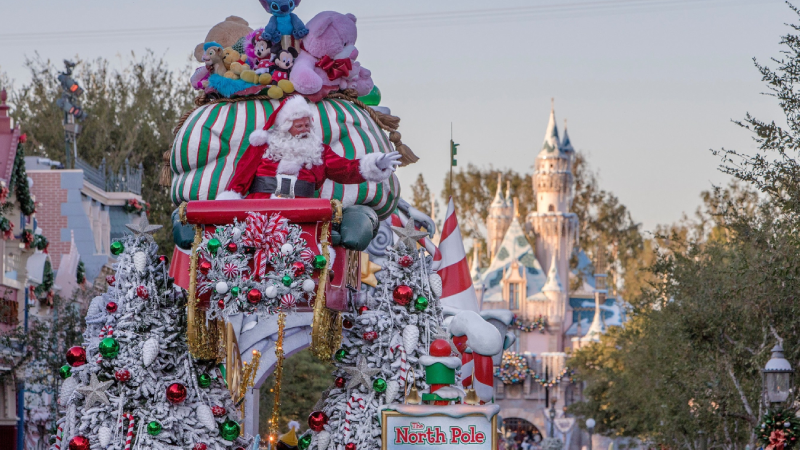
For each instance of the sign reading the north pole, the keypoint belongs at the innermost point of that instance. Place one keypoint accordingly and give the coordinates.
(443, 427)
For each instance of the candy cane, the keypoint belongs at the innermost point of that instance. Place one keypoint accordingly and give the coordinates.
(59, 434)
(129, 436)
(403, 360)
(107, 330)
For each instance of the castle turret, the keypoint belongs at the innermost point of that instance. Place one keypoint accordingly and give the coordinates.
(556, 228)
(499, 219)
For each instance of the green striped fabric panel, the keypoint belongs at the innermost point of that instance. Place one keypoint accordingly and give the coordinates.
(214, 137)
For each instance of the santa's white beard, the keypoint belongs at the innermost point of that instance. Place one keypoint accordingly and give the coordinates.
(304, 150)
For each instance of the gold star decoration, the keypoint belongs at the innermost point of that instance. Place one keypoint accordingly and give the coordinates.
(408, 235)
(368, 270)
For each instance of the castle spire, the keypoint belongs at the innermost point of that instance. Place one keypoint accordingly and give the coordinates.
(498, 196)
(566, 144)
(553, 283)
(551, 142)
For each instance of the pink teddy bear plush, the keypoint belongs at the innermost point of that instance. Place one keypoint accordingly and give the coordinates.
(327, 60)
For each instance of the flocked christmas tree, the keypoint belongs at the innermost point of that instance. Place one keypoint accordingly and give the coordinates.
(135, 384)
(383, 342)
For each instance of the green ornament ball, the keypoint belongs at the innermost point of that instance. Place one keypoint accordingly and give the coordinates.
(153, 428)
(379, 385)
(213, 245)
(304, 442)
(229, 430)
(65, 371)
(340, 354)
(319, 262)
(204, 380)
(117, 248)
(421, 303)
(109, 347)
(286, 280)
(235, 291)
(373, 98)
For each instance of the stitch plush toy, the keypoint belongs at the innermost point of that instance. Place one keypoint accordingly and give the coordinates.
(327, 61)
(283, 22)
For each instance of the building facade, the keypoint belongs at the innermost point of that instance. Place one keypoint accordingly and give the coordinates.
(556, 308)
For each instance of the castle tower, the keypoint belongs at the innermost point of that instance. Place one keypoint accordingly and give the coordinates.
(556, 228)
(499, 219)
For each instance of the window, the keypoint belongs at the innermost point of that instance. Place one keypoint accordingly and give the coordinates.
(514, 293)
(551, 208)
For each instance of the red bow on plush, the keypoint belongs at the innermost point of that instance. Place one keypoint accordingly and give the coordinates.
(776, 440)
(335, 68)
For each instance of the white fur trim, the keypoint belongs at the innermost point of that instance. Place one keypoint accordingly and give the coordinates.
(294, 425)
(289, 167)
(230, 195)
(294, 108)
(370, 170)
(258, 137)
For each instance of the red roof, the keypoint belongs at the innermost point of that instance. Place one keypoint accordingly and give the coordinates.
(9, 138)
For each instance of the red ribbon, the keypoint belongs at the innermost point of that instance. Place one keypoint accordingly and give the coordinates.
(335, 68)
(777, 440)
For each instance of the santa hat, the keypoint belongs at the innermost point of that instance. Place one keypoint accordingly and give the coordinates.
(290, 109)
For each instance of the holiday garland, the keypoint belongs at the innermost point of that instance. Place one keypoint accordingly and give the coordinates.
(81, 275)
(134, 206)
(40, 242)
(779, 430)
(19, 181)
(259, 265)
(539, 323)
(47, 280)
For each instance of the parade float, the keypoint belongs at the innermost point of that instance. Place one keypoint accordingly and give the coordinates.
(288, 206)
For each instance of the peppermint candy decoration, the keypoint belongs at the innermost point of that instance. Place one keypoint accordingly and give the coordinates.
(288, 301)
(307, 255)
(230, 270)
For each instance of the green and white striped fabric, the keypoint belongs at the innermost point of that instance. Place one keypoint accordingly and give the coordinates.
(214, 137)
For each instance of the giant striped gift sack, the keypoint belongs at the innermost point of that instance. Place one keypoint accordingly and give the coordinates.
(214, 137)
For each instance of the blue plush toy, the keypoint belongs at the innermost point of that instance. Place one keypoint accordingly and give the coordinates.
(283, 21)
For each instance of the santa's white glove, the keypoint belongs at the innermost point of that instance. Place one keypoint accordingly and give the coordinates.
(388, 161)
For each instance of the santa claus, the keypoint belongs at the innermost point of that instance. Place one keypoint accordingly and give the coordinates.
(288, 159)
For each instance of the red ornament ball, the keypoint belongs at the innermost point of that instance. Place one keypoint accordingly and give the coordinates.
(142, 293)
(122, 375)
(232, 247)
(317, 421)
(176, 393)
(76, 356)
(350, 446)
(204, 267)
(347, 324)
(370, 335)
(339, 382)
(111, 307)
(254, 296)
(221, 304)
(440, 347)
(111, 279)
(402, 295)
(218, 411)
(298, 268)
(79, 443)
(200, 446)
(405, 261)
(362, 310)
(163, 259)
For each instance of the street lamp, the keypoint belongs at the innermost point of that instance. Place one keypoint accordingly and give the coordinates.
(590, 423)
(777, 377)
(552, 419)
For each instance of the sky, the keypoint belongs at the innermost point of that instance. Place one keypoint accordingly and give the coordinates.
(648, 86)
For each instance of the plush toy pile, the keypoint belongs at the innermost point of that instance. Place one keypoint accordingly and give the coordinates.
(284, 57)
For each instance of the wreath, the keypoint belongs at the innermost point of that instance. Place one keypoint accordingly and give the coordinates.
(513, 369)
(135, 206)
(539, 323)
(260, 265)
(779, 429)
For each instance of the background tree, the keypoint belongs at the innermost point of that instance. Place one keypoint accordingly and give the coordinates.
(131, 115)
(684, 372)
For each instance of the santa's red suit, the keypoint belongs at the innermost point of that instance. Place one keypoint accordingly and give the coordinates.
(253, 167)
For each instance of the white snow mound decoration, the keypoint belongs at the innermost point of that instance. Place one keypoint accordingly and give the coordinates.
(482, 337)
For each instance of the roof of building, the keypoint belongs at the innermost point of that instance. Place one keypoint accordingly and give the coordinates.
(551, 147)
(515, 247)
(566, 144)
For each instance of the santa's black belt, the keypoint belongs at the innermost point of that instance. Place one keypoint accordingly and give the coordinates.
(269, 185)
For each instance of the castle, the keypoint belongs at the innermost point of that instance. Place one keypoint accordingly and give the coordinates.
(555, 309)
